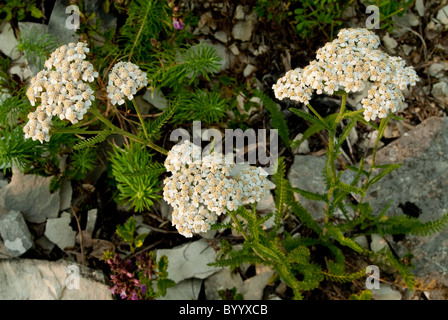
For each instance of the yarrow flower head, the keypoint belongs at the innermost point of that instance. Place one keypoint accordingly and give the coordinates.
(349, 63)
(125, 80)
(62, 89)
(201, 189)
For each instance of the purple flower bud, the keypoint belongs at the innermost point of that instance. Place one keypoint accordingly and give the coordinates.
(143, 288)
(178, 24)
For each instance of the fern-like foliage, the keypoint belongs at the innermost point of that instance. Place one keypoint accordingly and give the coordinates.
(277, 119)
(363, 295)
(345, 277)
(283, 193)
(83, 161)
(386, 256)
(136, 175)
(184, 67)
(410, 225)
(90, 142)
(201, 105)
(146, 20)
(155, 126)
(12, 108)
(15, 150)
(36, 46)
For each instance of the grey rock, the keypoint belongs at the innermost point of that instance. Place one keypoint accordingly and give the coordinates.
(221, 51)
(260, 50)
(248, 70)
(44, 244)
(390, 43)
(57, 23)
(378, 243)
(30, 29)
(254, 286)
(186, 290)
(395, 129)
(143, 106)
(30, 194)
(440, 92)
(210, 234)
(408, 19)
(28, 279)
(303, 148)
(349, 12)
(442, 15)
(142, 227)
(92, 216)
(354, 99)
(60, 24)
(242, 30)
(3, 181)
(267, 204)
(385, 292)
(21, 69)
(438, 69)
(204, 24)
(422, 180)
(221, 36)
(353, 136)
(362, 241)
(407, 49)
(107, 21)
(404, 23)
(306, 173)
(8, 42)
(241, 102)
(221, 280)
(369, 141)
(59, 231)
(234, 49)
(420, 7)
(156, 98)
(165, 210)
(239, 12)
(190, 260)
(65, 193)
(15, 234)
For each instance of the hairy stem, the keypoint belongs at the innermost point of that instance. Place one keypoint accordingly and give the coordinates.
(74, 131)
(270, 257)
(140, 118)
(331, 154)
(381, 129)
(315, 112)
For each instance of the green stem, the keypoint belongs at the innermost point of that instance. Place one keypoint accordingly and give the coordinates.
(74, 131)
(331, 155)
(239, 227)
(382, 127)
(342, 110)
(129, 135)
(282, 270)
(315, 112)
(140, 118)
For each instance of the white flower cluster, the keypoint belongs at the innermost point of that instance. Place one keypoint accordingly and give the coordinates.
(348, 63)
(124, 81)
(62, 88)
(200, 190)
